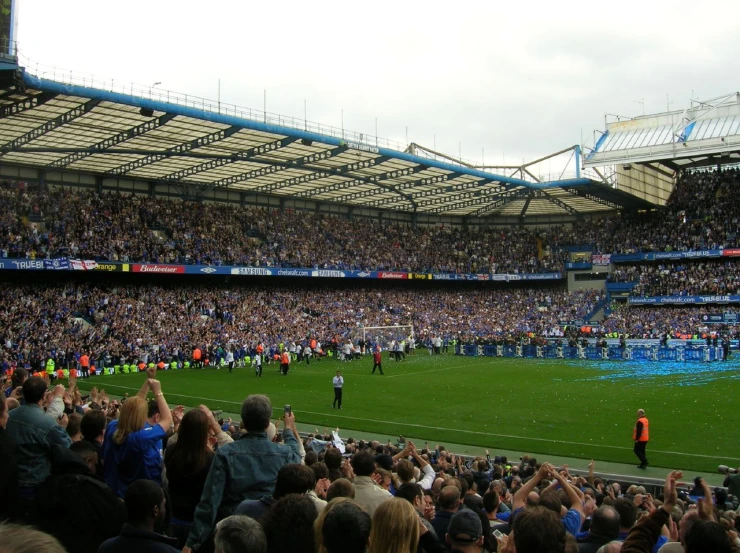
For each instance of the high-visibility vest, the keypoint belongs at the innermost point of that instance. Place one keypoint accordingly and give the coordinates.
(645, 435)
(50, 367)
(160, 365)
(84, 361)
(286, 358)
(196, 354)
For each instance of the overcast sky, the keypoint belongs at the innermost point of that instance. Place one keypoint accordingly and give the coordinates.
(515, 79)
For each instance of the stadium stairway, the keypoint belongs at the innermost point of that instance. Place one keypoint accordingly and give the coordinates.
(599, 311)
(620, 472)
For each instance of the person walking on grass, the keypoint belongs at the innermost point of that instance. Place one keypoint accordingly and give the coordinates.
(641, 435)
(377, 360)
(338, 382)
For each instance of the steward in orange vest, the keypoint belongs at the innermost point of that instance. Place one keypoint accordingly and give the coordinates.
(284, 363)
(85, 365)
(641, 435)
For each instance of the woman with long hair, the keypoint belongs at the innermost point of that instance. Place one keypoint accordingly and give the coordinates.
(131, 447)
(188, 461)
(397, 528)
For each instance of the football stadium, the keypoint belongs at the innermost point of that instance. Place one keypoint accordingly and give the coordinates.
(204, 303)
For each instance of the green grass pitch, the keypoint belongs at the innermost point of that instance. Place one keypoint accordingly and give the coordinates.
(571, 408)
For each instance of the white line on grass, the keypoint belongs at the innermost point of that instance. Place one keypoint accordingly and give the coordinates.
(409, 424)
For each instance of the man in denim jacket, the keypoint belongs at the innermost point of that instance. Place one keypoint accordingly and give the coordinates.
(35, 431)
(244, 469)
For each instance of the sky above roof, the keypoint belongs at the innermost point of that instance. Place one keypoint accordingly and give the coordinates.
(495, 82)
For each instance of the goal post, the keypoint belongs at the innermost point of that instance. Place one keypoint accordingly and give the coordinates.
(382, 335)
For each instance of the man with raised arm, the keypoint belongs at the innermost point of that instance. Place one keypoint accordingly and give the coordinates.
(572, 519)
(644, 535)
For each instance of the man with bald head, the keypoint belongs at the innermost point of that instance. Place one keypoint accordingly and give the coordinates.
(611, 547)
(604, 529)
(448, 504)
(641, 435)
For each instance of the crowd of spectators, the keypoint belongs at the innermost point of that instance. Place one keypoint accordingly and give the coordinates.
(125, 227)
(702, 213)
(95, 473)
(639, 321)
(128, 323)
(135, 475)
(681, 278)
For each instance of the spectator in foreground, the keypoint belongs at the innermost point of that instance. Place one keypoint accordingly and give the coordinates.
(71, 494)
(8, 468)
(448, 503)
(145, 505)
(245, 469)
(465, 533)
(644, 535)
(34, 433)
(188, 461)
(92, 427)
(340, 488)
(534, 530)
(396, 528)
(240, 534)
(25, 539)
(415, 495)
(289, 525)
(292, 478)
(343, 527)
(131, 447)
(604, 529)
(708, 535)
(367, 493)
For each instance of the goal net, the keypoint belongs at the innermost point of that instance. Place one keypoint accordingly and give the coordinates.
(382, 336)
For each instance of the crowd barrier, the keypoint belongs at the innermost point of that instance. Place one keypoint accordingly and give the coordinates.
(611, 352)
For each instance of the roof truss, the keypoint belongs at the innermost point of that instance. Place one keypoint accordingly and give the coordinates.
(180, 148)
(114, 140)
(241, 156)
(58, 121)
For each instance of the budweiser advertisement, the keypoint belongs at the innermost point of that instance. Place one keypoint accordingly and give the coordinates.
(161, 269)
(403, 276)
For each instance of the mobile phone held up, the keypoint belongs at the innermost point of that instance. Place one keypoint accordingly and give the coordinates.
(288, 410)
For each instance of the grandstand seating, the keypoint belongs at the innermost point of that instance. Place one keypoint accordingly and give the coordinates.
(701, 214)
(119, 323)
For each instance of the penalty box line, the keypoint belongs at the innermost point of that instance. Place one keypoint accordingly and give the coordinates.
(414, 425)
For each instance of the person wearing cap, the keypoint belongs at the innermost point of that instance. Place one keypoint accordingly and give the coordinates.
(465, 533)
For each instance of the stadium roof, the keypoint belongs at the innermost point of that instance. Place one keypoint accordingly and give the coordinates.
(706, 133)
(103, 129)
